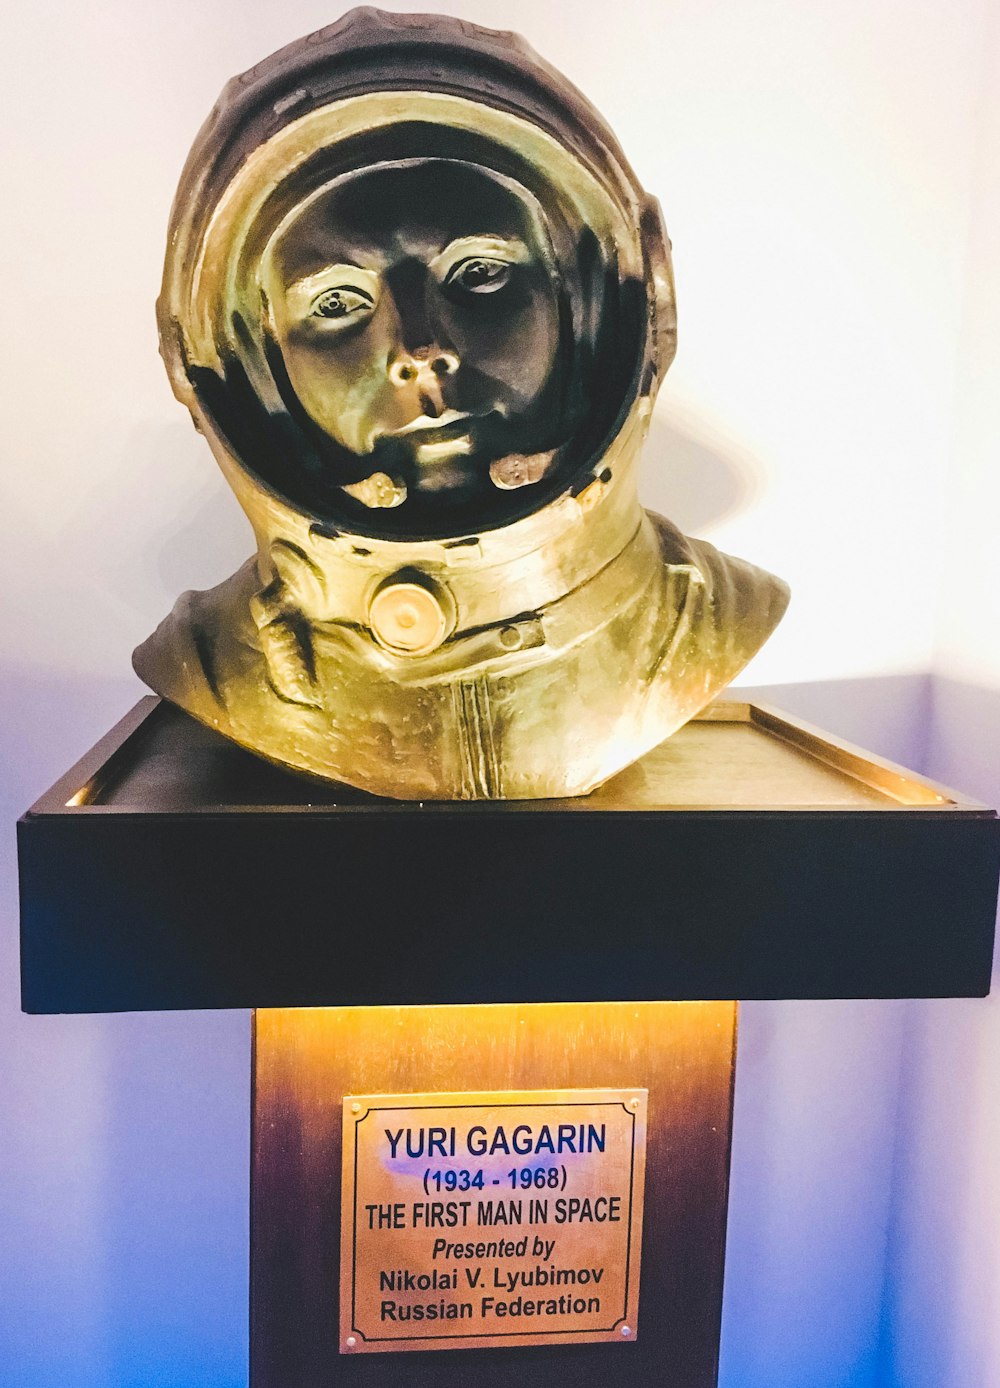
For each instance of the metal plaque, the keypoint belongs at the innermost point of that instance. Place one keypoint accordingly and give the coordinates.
(491, 1219)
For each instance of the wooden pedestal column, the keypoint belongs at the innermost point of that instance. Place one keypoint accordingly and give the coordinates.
(307, 1060)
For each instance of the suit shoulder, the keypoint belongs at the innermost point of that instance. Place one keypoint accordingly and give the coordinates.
(729, 607)
(741, 595)
(187, 658)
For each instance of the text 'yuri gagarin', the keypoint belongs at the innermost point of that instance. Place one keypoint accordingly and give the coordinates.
(472, 1219)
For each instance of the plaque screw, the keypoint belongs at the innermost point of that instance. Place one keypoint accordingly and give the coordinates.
(351, 1342)
(626, 1332)
(355, 1108)
(632, 1103)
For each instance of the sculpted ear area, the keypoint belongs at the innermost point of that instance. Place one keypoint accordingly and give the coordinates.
(269, 289)
(267, 316)
(656, 244)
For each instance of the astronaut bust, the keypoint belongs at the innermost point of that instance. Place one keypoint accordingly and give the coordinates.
(420, 307)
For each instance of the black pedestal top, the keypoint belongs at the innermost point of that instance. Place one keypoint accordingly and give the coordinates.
(749, 856)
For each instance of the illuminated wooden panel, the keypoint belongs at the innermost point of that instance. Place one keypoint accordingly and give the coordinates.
(307, 1061)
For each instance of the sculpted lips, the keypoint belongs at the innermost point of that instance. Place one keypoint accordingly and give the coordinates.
(449, 417)
(449, 424)
(436, 439)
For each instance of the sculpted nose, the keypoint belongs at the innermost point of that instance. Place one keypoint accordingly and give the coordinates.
(422, 364)
(424, 369)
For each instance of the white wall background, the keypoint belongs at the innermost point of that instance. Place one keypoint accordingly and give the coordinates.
(944, 1297)
(829, 175)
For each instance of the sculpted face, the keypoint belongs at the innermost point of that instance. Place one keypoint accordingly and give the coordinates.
(416, 311)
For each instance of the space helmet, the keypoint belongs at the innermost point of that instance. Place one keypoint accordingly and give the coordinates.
(420, 306)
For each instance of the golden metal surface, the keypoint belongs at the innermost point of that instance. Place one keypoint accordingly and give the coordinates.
(742, 757)
(308, 1062)
(421, 319)
(732, 754)
(483, 1220)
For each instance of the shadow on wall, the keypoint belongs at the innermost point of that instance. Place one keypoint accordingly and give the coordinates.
(693, 479)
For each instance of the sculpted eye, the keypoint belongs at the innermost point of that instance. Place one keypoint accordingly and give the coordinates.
(479, 275)
(340, 303)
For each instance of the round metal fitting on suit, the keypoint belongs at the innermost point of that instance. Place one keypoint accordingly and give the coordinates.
(407, 618)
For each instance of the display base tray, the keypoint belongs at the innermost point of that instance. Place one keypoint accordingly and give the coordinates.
(749, 856)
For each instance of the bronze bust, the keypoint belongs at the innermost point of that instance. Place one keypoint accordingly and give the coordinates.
(420, 307)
